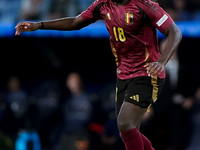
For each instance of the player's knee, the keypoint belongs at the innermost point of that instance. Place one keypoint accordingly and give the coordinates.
(125, 125)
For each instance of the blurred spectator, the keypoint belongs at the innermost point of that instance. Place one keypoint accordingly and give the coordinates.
(16, 98)
(17, 104)
(59, 9)
(47, 112)
(172, 67)
(75, 7)
(48, 97)
(172, 13)
(12, 10)
(9, 10)
(83, 5)
(35, 9)
(77, 109)
(51, 9)
(14, 108)
(195, 120)
(30, 9)
(181, 10)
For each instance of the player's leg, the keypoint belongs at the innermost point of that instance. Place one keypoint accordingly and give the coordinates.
(128, 119)
(120, 96)
(130, 116)
(140, 93)
(124, 125)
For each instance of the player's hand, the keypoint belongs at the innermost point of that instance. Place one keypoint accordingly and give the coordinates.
(154, 68)
(27, 26)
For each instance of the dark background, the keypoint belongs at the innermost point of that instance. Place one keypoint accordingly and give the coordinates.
(36, 59)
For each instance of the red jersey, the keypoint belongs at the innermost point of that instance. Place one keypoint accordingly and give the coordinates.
(132, 29)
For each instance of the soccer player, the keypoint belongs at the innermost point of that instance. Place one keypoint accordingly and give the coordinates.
(132, 27)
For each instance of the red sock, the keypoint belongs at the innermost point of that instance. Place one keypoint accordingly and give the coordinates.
(147, 143)
(132, 140)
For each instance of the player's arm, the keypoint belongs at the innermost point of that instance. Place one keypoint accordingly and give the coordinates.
(66, 24)
(174, 37)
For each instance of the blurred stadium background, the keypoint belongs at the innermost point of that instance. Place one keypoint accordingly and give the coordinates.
(57, 88)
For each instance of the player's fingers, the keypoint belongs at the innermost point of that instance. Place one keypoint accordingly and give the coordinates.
(23, 27)
(146, 65)
(27, 23)
(159, 71)
(19, 31)
(151, 73)
(22, 24)
(17, 26)
(152, 67)
(155, 68)
(148, 69)
(16, 32)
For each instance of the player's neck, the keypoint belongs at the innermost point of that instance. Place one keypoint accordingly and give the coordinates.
(119, 3)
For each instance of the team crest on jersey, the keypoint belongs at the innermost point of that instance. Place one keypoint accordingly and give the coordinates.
(129, 18)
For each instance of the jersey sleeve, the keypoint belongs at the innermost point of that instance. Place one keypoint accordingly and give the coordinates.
(159, 18)
(92, 13)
